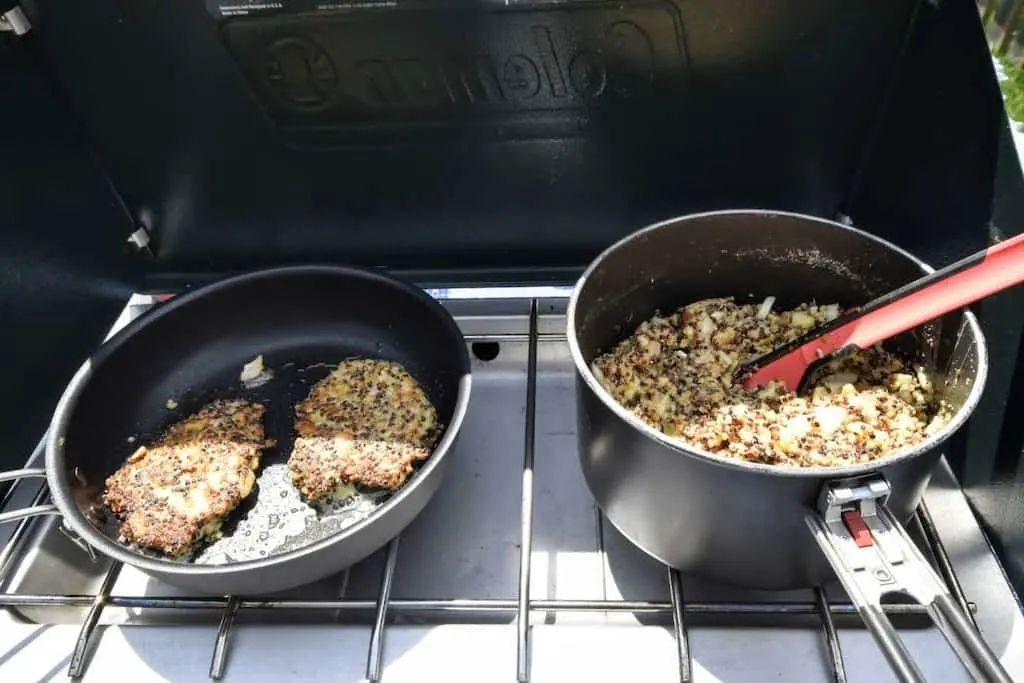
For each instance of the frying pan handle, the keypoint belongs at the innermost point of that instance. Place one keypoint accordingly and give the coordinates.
(873, 557)
(34, 511)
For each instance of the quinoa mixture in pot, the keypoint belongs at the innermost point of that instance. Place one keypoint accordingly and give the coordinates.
(677, 374)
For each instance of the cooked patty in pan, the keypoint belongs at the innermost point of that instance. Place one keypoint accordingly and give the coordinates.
(176, 492)
(677, 374)
(367, 423)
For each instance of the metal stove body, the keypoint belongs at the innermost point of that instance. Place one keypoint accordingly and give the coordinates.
(466, 144)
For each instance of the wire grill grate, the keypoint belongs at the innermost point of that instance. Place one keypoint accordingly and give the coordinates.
(383, 609)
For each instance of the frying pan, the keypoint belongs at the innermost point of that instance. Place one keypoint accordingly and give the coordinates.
(185, 353)
(751, 524)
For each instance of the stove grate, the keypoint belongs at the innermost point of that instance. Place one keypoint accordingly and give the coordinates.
(383, 610)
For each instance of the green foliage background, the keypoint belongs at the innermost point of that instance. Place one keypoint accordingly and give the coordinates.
(1013, 88)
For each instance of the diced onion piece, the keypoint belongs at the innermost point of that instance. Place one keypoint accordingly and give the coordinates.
(766, 308)
(803, 320)
(252, 369)
(255, 374)
(829, 418)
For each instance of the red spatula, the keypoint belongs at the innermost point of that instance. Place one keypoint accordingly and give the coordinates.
(955, 286)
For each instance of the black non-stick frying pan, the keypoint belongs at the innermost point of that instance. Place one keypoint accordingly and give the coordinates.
(190, 351)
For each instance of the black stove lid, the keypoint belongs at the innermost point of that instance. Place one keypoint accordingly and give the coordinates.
(487, 141)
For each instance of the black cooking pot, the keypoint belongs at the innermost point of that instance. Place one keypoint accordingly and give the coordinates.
(737, 522)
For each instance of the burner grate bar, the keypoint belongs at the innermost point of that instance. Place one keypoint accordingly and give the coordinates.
(488, 607)
(831, 636)
(943, 564)
(220, 647)
(526, 510)
(375, 655)
(19, 478)
(675, 591)
(80, 656)
(10, 550)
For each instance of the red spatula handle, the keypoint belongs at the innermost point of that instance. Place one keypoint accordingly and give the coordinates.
(955, 286)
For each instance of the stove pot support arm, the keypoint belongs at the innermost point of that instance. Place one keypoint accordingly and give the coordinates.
(873, 557)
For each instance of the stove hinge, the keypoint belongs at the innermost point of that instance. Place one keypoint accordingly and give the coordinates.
(141, 241)
(15, 21)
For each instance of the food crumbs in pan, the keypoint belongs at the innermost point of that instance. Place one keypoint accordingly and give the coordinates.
(366, 424)
(255, 373)
(176, 492)
(677, 373)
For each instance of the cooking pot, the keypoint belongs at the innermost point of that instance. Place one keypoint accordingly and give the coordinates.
(757, 525)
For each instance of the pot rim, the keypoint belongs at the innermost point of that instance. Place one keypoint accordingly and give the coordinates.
(584, 372)
(60, 482)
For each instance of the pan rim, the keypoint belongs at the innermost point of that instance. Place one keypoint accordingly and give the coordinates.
(59, 483)
(584, 373)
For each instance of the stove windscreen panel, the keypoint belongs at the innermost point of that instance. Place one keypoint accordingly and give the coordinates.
(468, 136)
(65, 266)
(992, 466)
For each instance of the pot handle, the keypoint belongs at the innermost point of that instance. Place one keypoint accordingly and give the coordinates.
(35, 510)
(873, 556)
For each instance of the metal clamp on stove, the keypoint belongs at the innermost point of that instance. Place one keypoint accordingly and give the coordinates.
(873, 557)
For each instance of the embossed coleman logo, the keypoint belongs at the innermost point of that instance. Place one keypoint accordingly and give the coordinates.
(525, 65)
(543, 73)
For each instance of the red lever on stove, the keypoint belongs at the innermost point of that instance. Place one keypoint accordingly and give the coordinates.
(858, 528)
(960, 284)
